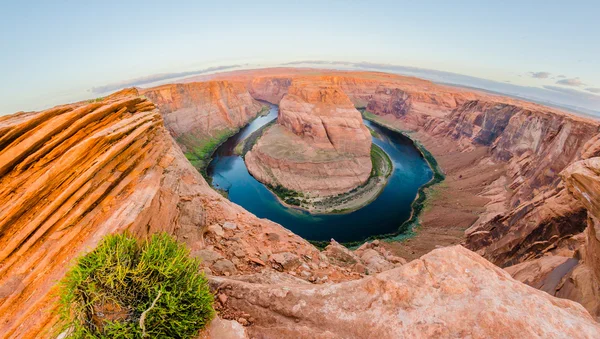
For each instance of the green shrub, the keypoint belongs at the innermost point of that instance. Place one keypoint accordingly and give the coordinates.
(127, 288)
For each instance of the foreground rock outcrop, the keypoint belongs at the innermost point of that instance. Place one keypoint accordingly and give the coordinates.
(448, 293)
(74, 173)
(319, 145)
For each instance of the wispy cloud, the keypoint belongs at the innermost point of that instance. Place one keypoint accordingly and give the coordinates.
(593, 90)
(561, 76)
(155, 77)
(540, 75)
(575, 82)
(570, 91)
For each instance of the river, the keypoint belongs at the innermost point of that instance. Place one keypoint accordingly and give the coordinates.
(383, 216)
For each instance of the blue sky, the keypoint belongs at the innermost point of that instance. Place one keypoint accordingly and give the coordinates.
(56, 51)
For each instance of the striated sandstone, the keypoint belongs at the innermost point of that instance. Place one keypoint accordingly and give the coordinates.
(319, 146)
(71, 174)
(530, 213)
(74, 173)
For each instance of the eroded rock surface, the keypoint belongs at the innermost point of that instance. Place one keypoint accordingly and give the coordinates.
(448, 293)
(74, 173)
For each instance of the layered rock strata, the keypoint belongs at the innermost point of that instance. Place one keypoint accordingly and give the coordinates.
(319, 145)
(528, 212)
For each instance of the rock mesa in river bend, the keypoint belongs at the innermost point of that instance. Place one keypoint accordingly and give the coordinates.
(319, 145)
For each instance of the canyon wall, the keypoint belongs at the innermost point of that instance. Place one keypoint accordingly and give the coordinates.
(198, 113)
(319, 145)
(526, 211)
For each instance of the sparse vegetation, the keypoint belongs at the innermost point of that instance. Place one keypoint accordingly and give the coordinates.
(246, 145)
(288, 196)
(127, 288)
(199, 149)
(95, 100)
(407, 228)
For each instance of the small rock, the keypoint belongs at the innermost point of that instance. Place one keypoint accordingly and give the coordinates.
(257, 261)
(360, 268)
(225, 267)
(207, 271)
(222, 298)
(228, 225)
(217, 230)
(305, 274)
(240, 253)
(375, 243)
(264, 257)
(285, 261)
(230, 329)
(339, 255)
(207, 256)
(243, 321)
(273, 236)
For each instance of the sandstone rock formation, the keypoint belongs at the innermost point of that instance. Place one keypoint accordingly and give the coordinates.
(74, 173)
(448, 293)
(319, 145)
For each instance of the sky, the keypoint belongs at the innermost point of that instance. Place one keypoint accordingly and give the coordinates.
(54, 52)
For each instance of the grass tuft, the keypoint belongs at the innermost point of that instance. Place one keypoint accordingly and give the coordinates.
(127, 288)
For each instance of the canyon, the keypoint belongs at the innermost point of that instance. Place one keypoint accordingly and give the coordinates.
(521, 194)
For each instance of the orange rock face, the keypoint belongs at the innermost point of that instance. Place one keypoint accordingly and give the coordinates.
(74, 173)
(535, 143)
(319, 146)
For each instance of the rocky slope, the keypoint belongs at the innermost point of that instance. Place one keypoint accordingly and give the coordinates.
(448, 293)
(198, 113)
(74, 173)
(319, 145)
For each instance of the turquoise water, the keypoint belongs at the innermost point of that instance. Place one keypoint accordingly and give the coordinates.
(383, 216)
